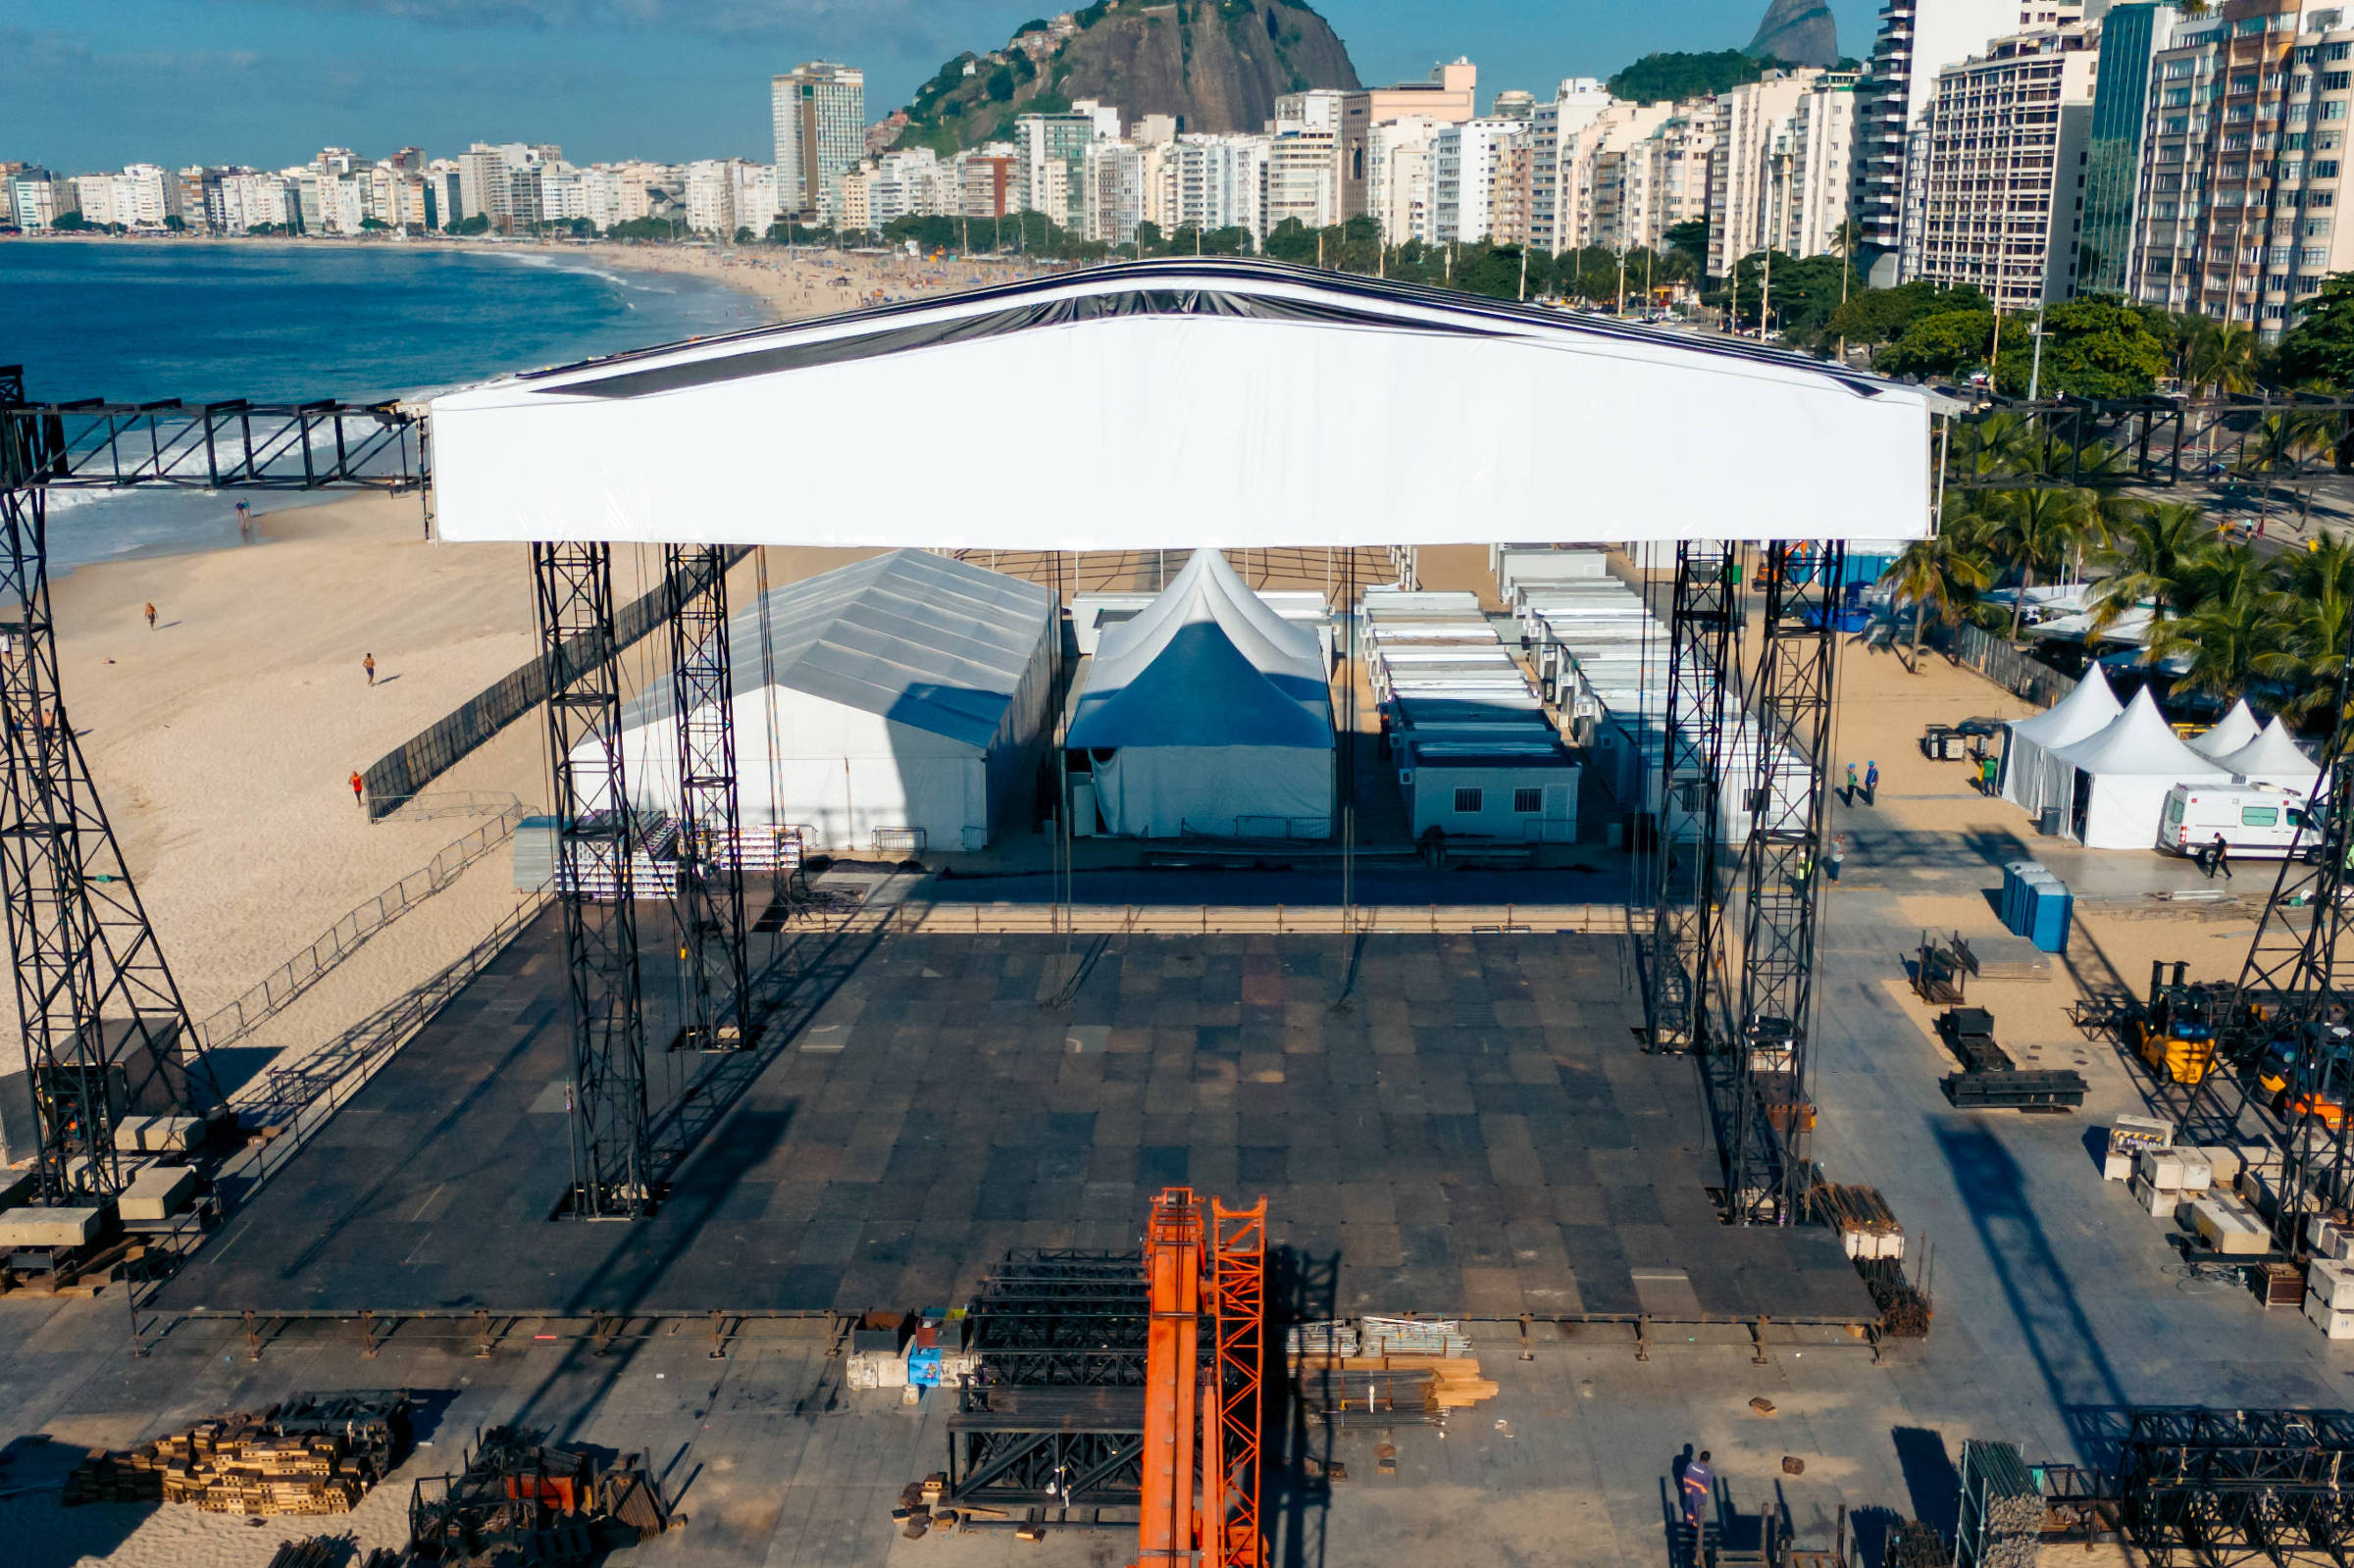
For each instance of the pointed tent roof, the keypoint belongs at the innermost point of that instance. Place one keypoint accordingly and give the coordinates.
(2273, 755)
(2138, 743)
(2233, 732)
(2082, 713)
(1206, 665)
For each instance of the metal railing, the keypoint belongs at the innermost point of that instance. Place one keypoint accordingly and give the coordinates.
(1212, 919)
(2006, 666)
(347, 935)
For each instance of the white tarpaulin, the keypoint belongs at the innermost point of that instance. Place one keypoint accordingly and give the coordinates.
(2274, 758)
(2123, 774)
(2030, 779)
(1208, 714)
(2232, 732)
(1207, 403)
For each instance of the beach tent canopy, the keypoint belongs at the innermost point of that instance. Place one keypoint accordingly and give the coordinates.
(1208, 714)
(2030, 779)
(2274, 758)
(906, 692)
(1207, 403)
(2122, 775)
(2230, 733)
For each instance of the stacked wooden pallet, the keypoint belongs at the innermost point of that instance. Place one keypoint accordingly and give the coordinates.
(1430, 1384)
(303, 1458)
(113, 1478)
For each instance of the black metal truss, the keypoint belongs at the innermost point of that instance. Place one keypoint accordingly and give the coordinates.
(92, 444)
(613, 1158)
(2278, 438)
(2225, 1488)
(1686, 957)
(1044, 1467)
(710, 901)
(1062, 1319)
(107, 1035)
(1767, 1175)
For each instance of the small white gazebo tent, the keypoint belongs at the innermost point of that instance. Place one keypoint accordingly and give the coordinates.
(2273, 757)
(2119, 778)
(2029, 778)
(1208, 714)
(2230, 733)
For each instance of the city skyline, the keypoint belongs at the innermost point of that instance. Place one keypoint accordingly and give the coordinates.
(266, 83)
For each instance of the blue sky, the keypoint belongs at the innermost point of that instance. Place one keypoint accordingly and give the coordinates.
(96, 83)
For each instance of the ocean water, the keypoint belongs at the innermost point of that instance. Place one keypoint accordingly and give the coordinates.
(285, 321)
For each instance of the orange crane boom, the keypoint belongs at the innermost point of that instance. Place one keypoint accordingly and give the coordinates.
(1165, 1527)
(1214, 1412)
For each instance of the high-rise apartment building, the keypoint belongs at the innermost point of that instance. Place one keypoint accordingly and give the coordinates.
(1302, 178)
(1398, 177)
(1448, 95)
(1053, 153)
(2130, 37)
(1916, 40)
(989, 182)
(1813, 163)
(818, 114)
(1114, 192)
(1554, 127)
(1752, 124)
(2244, 139)
(1215, 182)
(1465, 160)
(1589, 182)
(2002, 172)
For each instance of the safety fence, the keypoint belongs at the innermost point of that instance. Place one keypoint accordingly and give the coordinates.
(2006, 666)
(346, 937)
(396, 776)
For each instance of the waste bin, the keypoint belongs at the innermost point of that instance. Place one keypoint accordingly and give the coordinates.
(2048, 823)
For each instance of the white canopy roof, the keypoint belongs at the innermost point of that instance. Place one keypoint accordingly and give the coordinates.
(2083, 712)
(1219, 402)
(2274, 756)
(2230, 733)
(1207, 665)
(2139, 744)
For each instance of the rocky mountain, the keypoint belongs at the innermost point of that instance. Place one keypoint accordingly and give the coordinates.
(1216, 65)
(1798, 33)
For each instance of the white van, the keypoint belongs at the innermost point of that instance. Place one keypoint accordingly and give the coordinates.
(2258, 821)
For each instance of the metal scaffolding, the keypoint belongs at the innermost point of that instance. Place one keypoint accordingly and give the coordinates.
(1768, 1176)
(714, 977)
(2224, 1487)
(595, 844)
(1686, 959)
(107, 1035)
(1233, 1535)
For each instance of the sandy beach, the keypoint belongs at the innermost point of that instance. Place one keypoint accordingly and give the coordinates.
(795, 284)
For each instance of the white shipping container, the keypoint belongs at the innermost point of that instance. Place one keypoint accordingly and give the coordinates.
(2333, 1282)
(2333, 1322)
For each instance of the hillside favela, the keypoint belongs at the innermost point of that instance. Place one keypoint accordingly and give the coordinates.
(1189, 784)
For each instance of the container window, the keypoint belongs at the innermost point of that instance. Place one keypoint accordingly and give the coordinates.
(1466, 802)
(1528, 801)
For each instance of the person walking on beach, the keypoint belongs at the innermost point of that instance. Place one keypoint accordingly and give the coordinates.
(1850, 784)
(151, 616)
(368, 663)
(357, 784)
(1871, 783)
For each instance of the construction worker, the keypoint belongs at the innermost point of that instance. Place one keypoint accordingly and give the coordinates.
(1699, 1487)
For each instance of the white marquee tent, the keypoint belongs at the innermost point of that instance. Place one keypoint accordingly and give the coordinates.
(1200, 401)
(2232, 732)
(1208, 714)
(908, 692)
(2274, 758)
(2119, 778)
(2030, 779)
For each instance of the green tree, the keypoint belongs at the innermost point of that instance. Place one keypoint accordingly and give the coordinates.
(2220, 358)
(480, 223)
(1673, 78)
(1952, 342)
(2091, 348)
(2038, 530)
(1689, 239)
(2229, 639)
(1943, 575)
(1881, 315)
(2148, 559)
(2321, 346)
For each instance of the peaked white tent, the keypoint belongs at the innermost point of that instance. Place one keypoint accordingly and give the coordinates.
(1202, 401)
(2230, 733)
(2118, 778)
(1208, 714)
(2030, 779)
(2273, 757)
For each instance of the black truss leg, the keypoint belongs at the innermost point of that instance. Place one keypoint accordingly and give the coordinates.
(711, 894)
(1687, 944)
(106, 1034)
(1767, 1178)
(612, 1157)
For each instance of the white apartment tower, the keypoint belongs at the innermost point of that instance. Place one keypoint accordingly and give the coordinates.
(2003, 169)
(1752, 142)
(1465, 160)
(2237, 215)
(1553, 125)
(818, 113)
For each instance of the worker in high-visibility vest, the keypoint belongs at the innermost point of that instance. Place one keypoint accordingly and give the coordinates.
(1699, 1487)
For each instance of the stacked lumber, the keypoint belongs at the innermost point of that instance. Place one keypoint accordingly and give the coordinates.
(312, 1551)
(1429, 1384)
(303, 1458)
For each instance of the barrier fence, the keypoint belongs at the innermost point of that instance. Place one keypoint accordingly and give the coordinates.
(1999, 661)
(1177, 920)
(397, 776)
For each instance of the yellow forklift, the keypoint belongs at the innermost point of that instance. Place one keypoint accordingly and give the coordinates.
(2177, 1027)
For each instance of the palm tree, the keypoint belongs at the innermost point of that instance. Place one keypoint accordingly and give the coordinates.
(2041, 531)
(2145, 560)
(1943, 572)
(2220, 356)
(2231, 641)
(1999, 445)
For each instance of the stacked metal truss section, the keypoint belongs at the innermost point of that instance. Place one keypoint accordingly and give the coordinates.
(2224, 1487)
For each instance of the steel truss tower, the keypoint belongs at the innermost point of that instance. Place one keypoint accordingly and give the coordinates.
(595, 842)
(1767, 1176)
(710, 845)
(1687, 942)
(2227, 1488)
(107, 1035)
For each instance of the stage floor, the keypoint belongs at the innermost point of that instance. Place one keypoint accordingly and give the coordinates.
(1471, 1131)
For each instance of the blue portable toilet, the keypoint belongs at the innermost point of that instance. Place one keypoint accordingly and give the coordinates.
(2053, 906)
(2008, 905)
(2022, 913)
